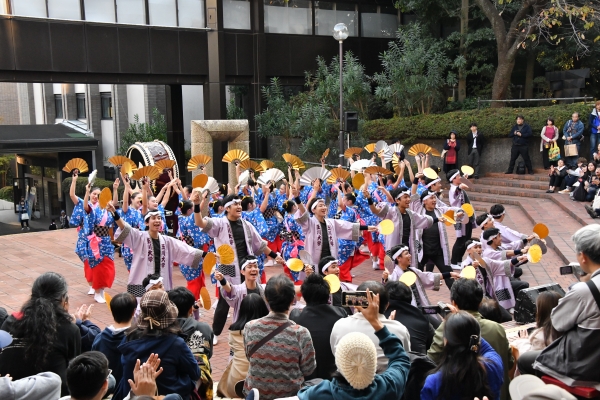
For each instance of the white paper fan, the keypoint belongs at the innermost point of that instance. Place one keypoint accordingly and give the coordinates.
(92, 177)
(271, 175)
(243, 179)
(383, 151)
(211, 185)
(309, 176)
(397, 148)
(360, 165)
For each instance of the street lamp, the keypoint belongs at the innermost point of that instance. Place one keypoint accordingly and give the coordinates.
(340, 33)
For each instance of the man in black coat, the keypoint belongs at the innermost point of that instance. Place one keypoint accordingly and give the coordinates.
(520, 134)
(319, 317)
(421, 331)
(476, 142)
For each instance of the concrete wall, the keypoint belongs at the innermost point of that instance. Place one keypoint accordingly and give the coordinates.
(9, 104)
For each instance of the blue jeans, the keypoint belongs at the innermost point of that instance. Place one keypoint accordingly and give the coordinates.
(593, 145)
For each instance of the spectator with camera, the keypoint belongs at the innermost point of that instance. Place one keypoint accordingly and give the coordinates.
(466, 295)
(572, 135)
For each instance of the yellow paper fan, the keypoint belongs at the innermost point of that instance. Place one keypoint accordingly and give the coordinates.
(386, 227)
(76, 163)
(200, 181)
(449, 218)
(107, 298)
(199, 160)
(334, 283)
(396, 163)
(128, 168)
(149, 171)
(534, 255)
(358, 181)
(370, 147)
(226, 254)
(205, 296)
(377, 171)
(104, 198)
(468, 272)
(164, 164)
(120, 161)
(467, 170)
(293, 160)
(250, 165)
(352, 151)
(408, 278)
(325, 154)
(430, 173)
(210, 260)
(419, 148)
(295, 264)
(235, 155)
(338, 174)
(267, 164)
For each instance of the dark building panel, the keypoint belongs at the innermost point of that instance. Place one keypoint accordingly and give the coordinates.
(231, 54)
(244, 54)
(7, 60)
(134, 52)
(306, 49)
(193, 48)
(164, 51)
(278, 55)
(32, 44)
(102, 42)
(68, 46)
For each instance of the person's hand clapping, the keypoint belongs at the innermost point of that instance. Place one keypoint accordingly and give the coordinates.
(84, 313)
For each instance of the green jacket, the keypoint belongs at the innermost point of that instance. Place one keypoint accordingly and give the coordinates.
(494, 334)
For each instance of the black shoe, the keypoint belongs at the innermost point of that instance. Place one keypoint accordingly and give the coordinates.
(591, 211)
(508, 173)
(549, 191)
(476, 176)
(531, 173)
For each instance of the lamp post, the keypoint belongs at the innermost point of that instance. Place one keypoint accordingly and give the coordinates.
(340, 33)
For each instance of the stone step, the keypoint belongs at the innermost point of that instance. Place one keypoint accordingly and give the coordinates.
(526, 177)
(507, 191)
(514, 183)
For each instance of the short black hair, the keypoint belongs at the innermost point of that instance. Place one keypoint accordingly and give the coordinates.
(520, 116)
(86, 374)
(473, 124)
(551, 119)
(399, 291)
(471, 241)
(490, 309)
(467, 294)
(310, 204)
(315, 290)
(183, 299)
(497, 209)
(122, 307)
(480, 218)
(280, 293)
(488, 233)
(147, 279)
(324, 261)
(377, 288)
(189, 188)
(229, 198)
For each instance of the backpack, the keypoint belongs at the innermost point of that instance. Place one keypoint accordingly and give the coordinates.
(521, 168)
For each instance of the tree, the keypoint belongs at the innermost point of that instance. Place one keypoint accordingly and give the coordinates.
(5, 163)
(233, 110)
(414, 72)
(143, 132)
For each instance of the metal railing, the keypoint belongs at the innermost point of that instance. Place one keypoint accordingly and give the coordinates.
(584, 98)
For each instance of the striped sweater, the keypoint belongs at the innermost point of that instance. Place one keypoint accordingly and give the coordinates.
(278, 368)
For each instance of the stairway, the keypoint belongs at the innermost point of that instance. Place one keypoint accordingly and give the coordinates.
(528, 194)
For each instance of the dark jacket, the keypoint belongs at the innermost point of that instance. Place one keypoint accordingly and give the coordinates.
(88, 331)
(526, 133)
(66, 347)
(593, 121)
(480, 142)
(319, 321)
(198, 336)
(421, 331)
(180, 369)
(107, 343)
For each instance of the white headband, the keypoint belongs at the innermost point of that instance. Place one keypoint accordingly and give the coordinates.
(328, 265)
(433, 182)
(406, 192)
(317, 201)
(473, 244)
(232, 202)
(498, 215)
(489, 218)
(153, 282)
(492, 237)
(248, 262)
(399, 252)
(430, 194)
(455, 175)
(150, 214)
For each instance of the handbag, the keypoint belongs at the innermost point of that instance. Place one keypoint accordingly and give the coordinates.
(24, 217)
(571, 150)
(554, 152)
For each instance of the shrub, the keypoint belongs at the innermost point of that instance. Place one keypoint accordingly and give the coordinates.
(6, 193)
(493, 122)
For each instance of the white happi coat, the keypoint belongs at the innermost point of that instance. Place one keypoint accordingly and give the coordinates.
(457, 198)
(498, 283)
(417, 221)
(425, 280)
(313, 237)
(142, 265)
(508, 235)
(417, 207)
(219, 229)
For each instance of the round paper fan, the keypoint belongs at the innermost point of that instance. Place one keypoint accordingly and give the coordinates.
(386, 227)
(210, 260)
(107, 298)
(430, 173)
(205, 296)
(465, 169)
(449, 218)
(468, 209)
(541, 230)
(226, 254)
(200, 181)
(408, 278)
(104, 198)
(295, 264)
(534, 255)
(334, 283)
(468, 272)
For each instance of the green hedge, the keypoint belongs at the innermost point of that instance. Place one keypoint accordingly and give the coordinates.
(82, 182)
(493, 122)
(6, 193)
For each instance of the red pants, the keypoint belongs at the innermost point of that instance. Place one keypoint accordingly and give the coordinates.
(102, 275)
(376, 249)
(353, 262)
(275, 245)
(195, 285)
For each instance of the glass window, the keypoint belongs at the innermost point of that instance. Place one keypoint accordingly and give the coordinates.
(162, 12)
(29, 8)
(328, 14)
(236, 14)
(80, 97)
(106, 105)
(99, 10)
(191, 14)
(58, 107)
(131, 12)
(64, 9)
(379, 21)
(288, 16)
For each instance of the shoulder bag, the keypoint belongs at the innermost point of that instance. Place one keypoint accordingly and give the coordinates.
(270, 336)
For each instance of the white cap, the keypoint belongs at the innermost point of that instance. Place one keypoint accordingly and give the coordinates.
(356, 359)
